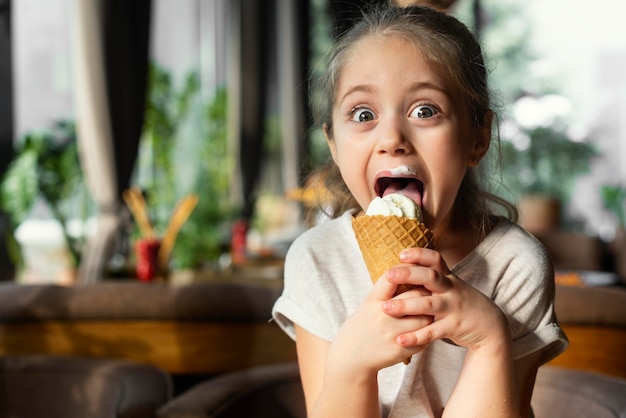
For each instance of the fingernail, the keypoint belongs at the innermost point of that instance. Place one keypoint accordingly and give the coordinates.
(403, 255)
(388, 305)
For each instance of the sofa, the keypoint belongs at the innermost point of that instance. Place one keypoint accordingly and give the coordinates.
(220, 334)
(33, 386)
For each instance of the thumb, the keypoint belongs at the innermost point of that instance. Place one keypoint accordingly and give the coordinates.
(383, 288)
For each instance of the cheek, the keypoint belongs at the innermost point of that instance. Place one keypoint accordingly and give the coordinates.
(352, 164)
(447, 174)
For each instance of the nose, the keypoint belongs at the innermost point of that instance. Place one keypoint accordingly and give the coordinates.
(394, 138)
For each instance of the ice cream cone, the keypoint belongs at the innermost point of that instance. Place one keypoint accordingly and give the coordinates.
(382, 238)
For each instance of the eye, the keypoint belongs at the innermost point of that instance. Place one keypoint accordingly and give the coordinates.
(424, 112)
(362, 115)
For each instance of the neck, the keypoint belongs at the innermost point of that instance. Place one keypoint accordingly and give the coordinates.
(455, 240)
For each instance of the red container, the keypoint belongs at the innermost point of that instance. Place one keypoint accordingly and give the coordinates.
(238, 244)
(146, 252)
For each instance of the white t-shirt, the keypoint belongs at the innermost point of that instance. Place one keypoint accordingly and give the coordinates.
(326, 280)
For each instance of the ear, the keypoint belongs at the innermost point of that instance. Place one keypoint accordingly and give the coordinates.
(330, 140)
(482, 142)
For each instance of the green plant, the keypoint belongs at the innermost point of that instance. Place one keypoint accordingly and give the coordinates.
(167, 108)
(205, 234)
(169, 112)
(46, 165)
(547, 163)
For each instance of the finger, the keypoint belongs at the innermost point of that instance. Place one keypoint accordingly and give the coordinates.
(410, 306)
(410, 275)
(411, 291)
(384, 289)
(421, 336)
(424, 257)
(413, 323)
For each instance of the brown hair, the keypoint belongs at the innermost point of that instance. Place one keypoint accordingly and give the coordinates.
(444, 42)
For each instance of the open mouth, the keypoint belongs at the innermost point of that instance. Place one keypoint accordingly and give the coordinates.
(408, 186)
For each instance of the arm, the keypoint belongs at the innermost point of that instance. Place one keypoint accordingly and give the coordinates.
(340, 379)
(489, 384)
(333, 392)
(507, 385)
(525, 375)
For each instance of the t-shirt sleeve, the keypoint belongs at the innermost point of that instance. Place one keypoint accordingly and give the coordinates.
(527, 297)
(324, 280)
(305, 295)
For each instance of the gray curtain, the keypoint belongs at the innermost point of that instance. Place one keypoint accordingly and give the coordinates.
(111, 60)
(255, 20)
(292, 67)
(7, 270)
(268, 70)
(6, 87)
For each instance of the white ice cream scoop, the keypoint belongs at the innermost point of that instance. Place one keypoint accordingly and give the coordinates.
(394, 204)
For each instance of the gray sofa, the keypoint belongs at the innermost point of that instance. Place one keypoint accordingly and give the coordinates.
(35, 386)
(222, 329)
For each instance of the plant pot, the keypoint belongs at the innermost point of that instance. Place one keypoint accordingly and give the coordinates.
(539, 213)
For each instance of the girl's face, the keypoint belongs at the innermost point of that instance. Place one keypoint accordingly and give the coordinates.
(399, 126)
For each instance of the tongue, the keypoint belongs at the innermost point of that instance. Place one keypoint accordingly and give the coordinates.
(409, 190)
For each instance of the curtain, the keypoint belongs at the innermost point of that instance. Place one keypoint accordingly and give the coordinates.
(6, 87)
(7, 270)
(110, 66)
(269, 68)
(293, 53)
(254, 51)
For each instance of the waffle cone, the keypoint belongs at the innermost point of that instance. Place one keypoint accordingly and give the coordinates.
(382, 238)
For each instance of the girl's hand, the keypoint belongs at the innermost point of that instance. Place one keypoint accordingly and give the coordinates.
(461, 313)
(367, 341)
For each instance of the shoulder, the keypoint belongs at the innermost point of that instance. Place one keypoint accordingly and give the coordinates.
(507, 260)
(324, 254)
(508, 241)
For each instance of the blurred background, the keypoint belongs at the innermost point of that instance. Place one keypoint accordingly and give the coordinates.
(226, 119)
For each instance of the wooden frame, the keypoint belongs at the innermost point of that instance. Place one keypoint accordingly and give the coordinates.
(179, 347)
(600, 349)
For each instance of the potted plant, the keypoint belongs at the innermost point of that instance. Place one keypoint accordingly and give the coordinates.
(541, 163)
(45, 166)
(169, 109)
(208, 228)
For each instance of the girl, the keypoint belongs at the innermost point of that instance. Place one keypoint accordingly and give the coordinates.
(407, 96)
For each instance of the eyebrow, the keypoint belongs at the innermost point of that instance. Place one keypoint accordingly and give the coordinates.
(420, 85)
(360, 88)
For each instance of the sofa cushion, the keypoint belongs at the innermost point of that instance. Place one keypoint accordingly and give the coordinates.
(269, 391)
(565, 393)
(71, 387)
